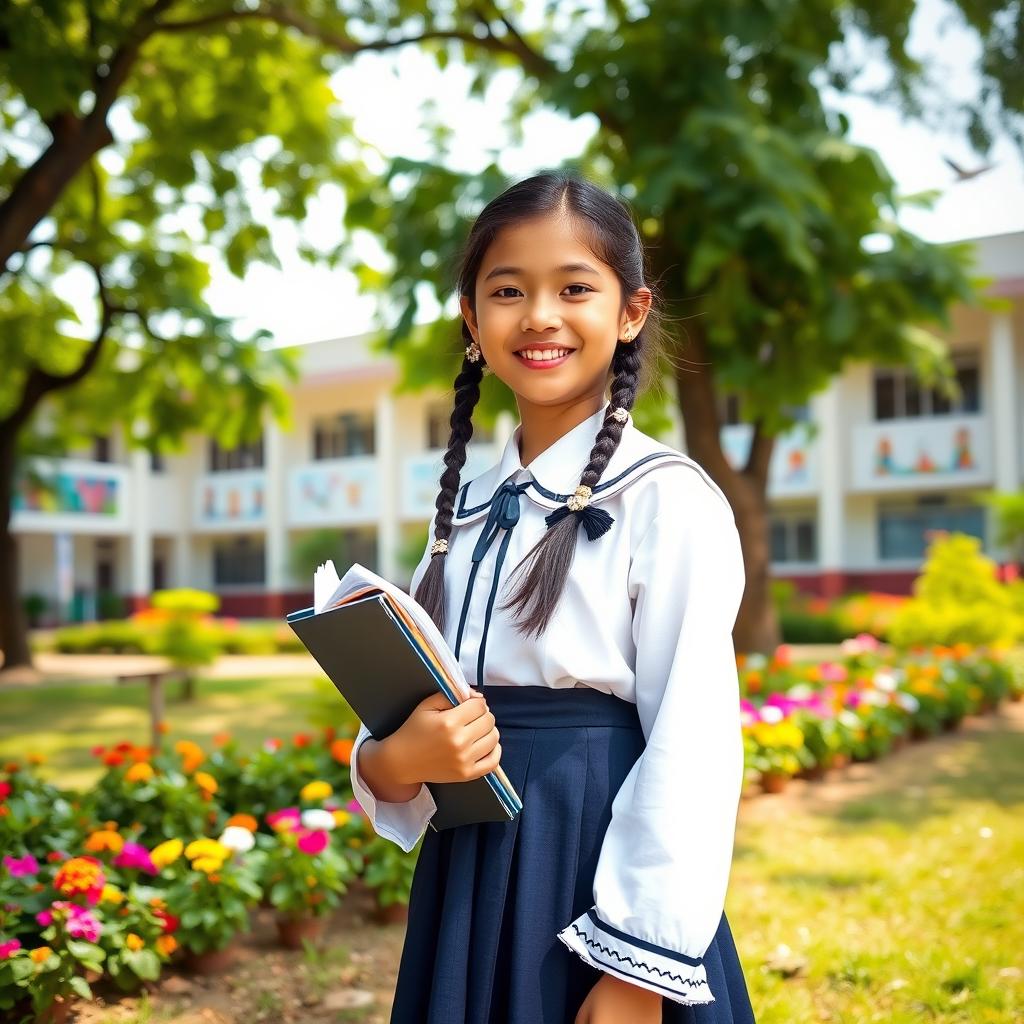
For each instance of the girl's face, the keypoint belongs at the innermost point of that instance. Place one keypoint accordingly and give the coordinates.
(549, 314)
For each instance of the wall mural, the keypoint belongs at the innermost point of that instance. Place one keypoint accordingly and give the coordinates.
(927, 458)
(66, 493)
(231, 501)
(332, 492)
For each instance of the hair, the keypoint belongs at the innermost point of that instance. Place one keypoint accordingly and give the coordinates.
(608, 230)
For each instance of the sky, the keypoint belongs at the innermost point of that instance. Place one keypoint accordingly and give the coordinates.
(302, 303)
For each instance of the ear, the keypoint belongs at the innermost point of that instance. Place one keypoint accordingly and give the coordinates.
(635, 313)
(470, 317)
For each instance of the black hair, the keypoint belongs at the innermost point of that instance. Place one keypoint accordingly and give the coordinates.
(610, 233)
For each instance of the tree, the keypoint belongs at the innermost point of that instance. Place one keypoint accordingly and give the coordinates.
(758, 212)
(115, 118)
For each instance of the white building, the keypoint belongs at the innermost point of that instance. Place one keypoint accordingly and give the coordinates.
(851, 508)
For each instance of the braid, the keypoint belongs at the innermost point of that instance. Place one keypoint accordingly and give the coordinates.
(546, 565)
(430, 592)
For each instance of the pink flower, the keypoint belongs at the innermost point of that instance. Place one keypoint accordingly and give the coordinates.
(354, 807)
(80, 922)
(285, 820)
(5, 790)
(832, 672)
(135, 856)
(9, 948)
(21, 866)
(312, 841)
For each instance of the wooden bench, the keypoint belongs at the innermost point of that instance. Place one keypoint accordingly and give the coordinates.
(155, 680)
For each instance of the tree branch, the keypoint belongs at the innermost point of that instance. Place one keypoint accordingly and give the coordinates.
(760, 456)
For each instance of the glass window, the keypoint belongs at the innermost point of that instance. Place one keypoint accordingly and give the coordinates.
(238, 561)
(898, 393)
(903, 533)
(244, 456)
(794, 538)
(885, 396)
(344, 435)
(101, 449)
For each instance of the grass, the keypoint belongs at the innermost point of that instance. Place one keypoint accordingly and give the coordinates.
(906, 903)
(63, 723)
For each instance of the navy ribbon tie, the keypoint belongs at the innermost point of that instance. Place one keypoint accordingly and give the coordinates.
(595, 521)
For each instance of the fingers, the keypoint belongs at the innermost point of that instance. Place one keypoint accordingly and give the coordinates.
(468, 711)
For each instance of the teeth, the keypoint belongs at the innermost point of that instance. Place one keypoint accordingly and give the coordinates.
(543, 355)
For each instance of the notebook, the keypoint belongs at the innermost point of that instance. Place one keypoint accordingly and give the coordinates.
(384, 654)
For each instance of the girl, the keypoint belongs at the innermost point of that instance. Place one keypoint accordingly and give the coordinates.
(588, 584)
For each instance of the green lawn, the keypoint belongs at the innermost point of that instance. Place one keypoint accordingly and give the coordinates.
(907, 901)
(64, 723)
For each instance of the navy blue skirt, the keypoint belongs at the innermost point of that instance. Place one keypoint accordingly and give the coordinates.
(488, 899)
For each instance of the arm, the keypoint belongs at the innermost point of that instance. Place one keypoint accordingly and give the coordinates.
(663, 869)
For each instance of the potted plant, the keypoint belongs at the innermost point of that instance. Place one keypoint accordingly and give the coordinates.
(304, 873)
(388, 874)
(210, 898)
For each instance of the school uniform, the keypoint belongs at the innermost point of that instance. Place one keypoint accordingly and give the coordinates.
(620, 730)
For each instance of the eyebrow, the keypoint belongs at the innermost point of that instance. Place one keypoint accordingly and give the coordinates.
(566, 268)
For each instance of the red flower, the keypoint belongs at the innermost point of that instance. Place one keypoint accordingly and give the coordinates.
(113, 759)
(5, 790)
(301, 739)
(124, 746)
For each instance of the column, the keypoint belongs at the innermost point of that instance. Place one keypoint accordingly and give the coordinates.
(1004, 421)
(385, 440)
(832, 459)
(141, 531)
(275, 490)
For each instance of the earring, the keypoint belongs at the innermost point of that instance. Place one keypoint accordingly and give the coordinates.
(473, 352)
(628, 332)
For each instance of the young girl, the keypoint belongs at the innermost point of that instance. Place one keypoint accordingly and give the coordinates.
(588, 584)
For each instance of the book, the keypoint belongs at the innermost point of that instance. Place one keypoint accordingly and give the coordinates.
(384, 654)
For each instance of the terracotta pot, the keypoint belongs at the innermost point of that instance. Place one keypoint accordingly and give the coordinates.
(814, 773)
(213, 961)
(393, 913)
(774, 782)
(1016, 696)
(57, 1012)
(292, 929)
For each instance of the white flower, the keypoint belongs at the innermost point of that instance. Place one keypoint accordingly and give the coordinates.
(771, 714)
(237, 838)
(317, 818)
(908, 701)
(885, 681)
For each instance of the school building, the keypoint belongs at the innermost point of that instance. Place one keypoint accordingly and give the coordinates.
(851, 506)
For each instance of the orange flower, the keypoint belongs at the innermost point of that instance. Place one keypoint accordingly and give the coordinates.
(80, 875)
(113, 759)
(140, 754)
(246, 821)
(35, 758)
(341, 751)
(205, 781)
(140, 772)
(166, 944)
(40, 953)
(163, 728)
(104, 839)
(300, 739)
(134, 942)
(11, 767)
(221, 738)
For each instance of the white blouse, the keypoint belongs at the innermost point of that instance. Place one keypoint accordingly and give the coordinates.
(647, 614)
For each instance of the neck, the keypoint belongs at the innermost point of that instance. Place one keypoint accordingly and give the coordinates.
(543, 425)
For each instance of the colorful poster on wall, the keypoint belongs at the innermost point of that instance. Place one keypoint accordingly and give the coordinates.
(68, 493)
(231, 498)
(338, 491)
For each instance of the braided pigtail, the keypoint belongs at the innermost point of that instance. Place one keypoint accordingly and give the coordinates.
(546, 565)
(430, 592)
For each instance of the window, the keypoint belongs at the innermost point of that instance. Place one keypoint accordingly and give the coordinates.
(101, 450)
(156, 462)
(903, 531)
(439, 415)
(899, 394)
(238, 561)
(343, 435)
(244, 456)
(794, 538)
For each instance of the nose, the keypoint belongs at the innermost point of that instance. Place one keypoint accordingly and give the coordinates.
(540, 315)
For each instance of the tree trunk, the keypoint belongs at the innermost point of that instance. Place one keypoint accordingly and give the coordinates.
(757, 627)
(13, 627)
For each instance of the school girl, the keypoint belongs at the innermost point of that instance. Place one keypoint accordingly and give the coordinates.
(588, 583)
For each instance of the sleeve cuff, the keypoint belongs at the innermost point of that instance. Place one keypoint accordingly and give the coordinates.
(403, 823)
(669, 973)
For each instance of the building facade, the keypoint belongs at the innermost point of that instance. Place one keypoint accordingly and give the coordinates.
(852, 502)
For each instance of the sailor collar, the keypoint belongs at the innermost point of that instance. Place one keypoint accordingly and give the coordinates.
(552, 477)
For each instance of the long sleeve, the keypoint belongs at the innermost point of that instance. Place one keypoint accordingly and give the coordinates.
(663, 867)
(402, 822)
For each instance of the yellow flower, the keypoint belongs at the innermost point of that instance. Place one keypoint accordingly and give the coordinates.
(207, 865)
(134, 942)
(111, 894)
(342, 818)
(316, 790)
(141, 772)
(166, 853)
(204, 780)
(207, 848)
(104, 839)
(166, 945)
(40, 953)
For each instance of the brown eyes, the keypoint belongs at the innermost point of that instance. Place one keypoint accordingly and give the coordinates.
(510, 288)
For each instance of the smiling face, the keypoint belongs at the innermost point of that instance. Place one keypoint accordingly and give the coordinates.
(547, 314)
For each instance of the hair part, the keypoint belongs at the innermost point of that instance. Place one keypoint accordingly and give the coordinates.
(607, 228)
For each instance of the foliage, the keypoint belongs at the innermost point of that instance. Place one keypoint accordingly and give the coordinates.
(389, 871)
(314, 548)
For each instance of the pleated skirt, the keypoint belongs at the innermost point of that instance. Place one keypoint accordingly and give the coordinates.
(488, 899)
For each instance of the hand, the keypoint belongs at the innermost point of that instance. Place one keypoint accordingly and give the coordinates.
(613, 1001)
(441, 743)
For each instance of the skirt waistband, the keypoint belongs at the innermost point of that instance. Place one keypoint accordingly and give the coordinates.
(544, 707)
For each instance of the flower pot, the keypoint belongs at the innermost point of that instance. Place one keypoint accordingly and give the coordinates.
(815, 772)
(212, 961)
(292, 929)
(774, 782)
(57, 1012)
(393, 913)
